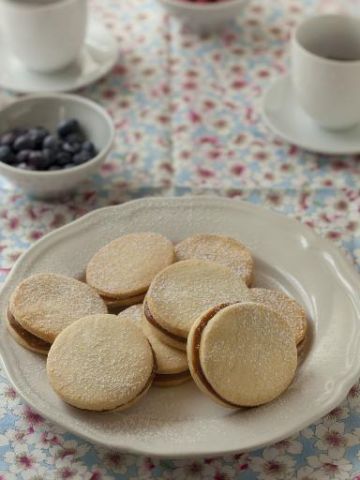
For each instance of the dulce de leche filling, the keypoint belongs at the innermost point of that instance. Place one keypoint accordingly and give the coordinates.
(121, 300)
(196, 352)
(154, 323)
(166, 377)
(32, 340)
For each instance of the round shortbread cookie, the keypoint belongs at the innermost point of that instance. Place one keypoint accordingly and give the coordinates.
(170, 360)
(46, 303)
(101, 363)
(285, 306)
(172, 365)
(25, 338)
(219, 249)
(125, 267)
(181, 292)
(242, 355)
(173, 341)
(133, 314)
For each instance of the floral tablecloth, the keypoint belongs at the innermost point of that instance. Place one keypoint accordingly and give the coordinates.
(186, 109)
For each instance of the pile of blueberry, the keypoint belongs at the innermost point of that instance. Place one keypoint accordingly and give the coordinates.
(38, 149)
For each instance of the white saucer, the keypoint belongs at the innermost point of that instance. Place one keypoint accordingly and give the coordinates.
(97, 58)
(283, 115)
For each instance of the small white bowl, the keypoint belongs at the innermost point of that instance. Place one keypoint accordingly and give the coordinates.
(207, 16)
(48, 111)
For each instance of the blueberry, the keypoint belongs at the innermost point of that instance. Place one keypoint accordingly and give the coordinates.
(22, 166)
(49, 154)
(38, 134)
(8, 138)
(89, 147)
(23, 156)
(63, 158)
(25, 166)
(6, 155)
(36, 160)
(24, 142)
(49, 158)
(70, 165)
(81, 157)
(71, 147)
(52, 142)
(74, 138)
(68, 126)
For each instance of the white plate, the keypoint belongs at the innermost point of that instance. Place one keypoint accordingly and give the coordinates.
(283, 115)
(181, 421)
(99, 55)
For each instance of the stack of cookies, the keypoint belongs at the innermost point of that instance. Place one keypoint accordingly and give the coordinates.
(122, 270)
(44, 304)
(191, 313)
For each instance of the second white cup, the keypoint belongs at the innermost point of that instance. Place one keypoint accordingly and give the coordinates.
(326, 69)
(45, 35)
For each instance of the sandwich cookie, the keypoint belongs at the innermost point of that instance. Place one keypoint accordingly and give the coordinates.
(101, 363)
(124, 268)
(220, 249)
(172, 340)
(242, 355)
(25, 338)
(285, 306)
(46, 303)
(183, 291)
(172, 366)
(114, 305)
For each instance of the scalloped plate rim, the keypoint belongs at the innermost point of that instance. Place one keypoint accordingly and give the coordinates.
(342, 263)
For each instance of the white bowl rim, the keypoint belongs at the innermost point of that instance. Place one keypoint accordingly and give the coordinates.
(74, 98)
(202, 6)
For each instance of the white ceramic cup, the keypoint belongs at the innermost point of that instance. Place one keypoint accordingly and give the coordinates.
(326, 69)
(45, 35)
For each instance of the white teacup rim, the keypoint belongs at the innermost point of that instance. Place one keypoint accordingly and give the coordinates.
(330, 61)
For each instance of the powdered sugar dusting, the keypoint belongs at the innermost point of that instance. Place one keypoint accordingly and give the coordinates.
(182, 420)
(169, 360)
(256, 349)
(126, 266)
(287, 307)
(179, 294)
(133, 314)
(46, 303)
(220, 249)
(100, 362)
